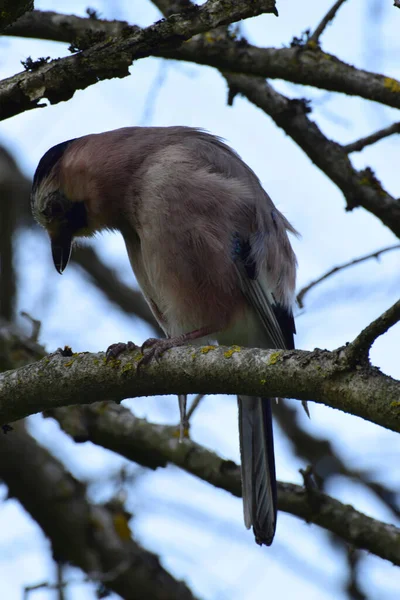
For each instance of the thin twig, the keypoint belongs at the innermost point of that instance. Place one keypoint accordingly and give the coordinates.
(358, 145)
(358, 350)
(60, 581)
(36, 326)
(194, 405)
(330, 15)
(356, 261)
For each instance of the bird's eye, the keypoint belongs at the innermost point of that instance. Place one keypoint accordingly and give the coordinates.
(53, 209)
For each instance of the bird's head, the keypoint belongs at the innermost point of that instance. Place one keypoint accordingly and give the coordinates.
(62, 214)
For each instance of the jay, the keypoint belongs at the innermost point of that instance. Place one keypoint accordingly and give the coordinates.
(208, 247)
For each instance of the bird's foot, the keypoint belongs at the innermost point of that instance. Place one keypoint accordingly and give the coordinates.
(115, 350)
(154, 348)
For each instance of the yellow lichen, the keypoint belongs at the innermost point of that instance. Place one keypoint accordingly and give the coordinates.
(395, 404)
(121, 526)
(391, 84)
(263, 381)
(69, 363)
(127, 367)
(177, 433)
(207, 349)
(231, 351)
(275, 356)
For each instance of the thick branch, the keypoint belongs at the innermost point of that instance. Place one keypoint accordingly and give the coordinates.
(11, 10)
(8, 221)
(360, 144)
(360, 188)
(320, 376)
(358, 351)
(117, 429)
(86, 535)
(356, 261)
(59, 79)
(306, 65)
(48, 25)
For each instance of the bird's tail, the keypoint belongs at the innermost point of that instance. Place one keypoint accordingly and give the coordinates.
(258, 467)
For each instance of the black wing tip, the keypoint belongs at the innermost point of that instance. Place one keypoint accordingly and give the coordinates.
(285, 318)
(262, 539)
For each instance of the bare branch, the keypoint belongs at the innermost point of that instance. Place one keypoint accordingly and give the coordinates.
(48, 25)
(320, 376)
(195, 404)
(360, 188)
(11, 10)
(169, 7)
(306, 65)
(85, 535)
(371, 139)
(59, 79)
(356, 261)
(330, 15)
(358, 350)
(7, 230)
(151, 445)
(325, 461)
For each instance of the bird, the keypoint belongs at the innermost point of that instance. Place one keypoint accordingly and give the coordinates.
(208, 247)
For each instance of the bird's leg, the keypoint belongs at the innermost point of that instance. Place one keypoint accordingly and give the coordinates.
(182, 399)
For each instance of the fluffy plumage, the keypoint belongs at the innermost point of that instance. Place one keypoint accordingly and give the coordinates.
(206, 243)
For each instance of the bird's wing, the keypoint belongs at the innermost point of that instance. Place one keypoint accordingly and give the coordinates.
(276, 319)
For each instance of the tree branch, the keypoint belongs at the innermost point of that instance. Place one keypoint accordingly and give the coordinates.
(86, 535)
(11, 10)
(49, 25)
(59, 79)
(320, 376)
(358, 351)
(360, 188)
(371, 139)
(330, 15)
(324, 460)
(8, 220)
(306, 65)
(355, 261)
(153, 446)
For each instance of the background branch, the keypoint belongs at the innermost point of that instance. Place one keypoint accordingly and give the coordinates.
(11, 10)
(372, 139)
(152, 446)
(58, 80)
(358, 350)
(360, 188)
(81, 533)
(330, 15)
(355, 261)
(305, 65)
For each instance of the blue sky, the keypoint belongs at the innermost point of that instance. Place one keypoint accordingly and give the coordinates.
(197, 530)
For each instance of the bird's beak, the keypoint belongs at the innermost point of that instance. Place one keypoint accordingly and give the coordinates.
(61, 245)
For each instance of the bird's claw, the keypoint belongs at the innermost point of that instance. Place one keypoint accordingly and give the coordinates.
(115, 350)
(154, 348)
